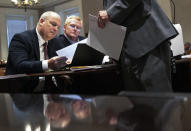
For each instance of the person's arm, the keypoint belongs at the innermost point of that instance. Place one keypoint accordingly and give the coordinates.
(117, 12)
(20, 54)
(121, 9)
(22, 57)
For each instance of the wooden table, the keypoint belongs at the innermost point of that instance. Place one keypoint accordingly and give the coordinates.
(94, 79)
(134, 111)
(181, 80)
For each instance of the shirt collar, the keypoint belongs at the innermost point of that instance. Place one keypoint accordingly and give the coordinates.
(40, 39)
(71, 41)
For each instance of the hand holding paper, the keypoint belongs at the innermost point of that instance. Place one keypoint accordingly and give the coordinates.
(69, 50)
(108, 40)
(57, 62)
(103, 18)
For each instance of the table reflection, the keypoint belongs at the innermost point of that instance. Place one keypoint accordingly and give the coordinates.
(131, 112)
(57, 114)
(38, 112)
(62, 109)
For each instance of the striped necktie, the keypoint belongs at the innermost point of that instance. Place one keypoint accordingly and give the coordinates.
(45, 51)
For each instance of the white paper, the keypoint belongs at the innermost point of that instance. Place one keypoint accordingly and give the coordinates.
(108, 40)
(69, 51)
(84, 41)
(177, 43)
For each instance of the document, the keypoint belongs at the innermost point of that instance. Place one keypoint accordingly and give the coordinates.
(69, 51)
(177, 43)
(108, 40)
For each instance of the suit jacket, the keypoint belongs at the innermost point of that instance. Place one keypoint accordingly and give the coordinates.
(59, 42)
(30, 106)
(28, 102)
(153, 112)
(147, 25)
(24, 57)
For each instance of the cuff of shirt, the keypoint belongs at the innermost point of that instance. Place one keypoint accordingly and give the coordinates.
(45, 65)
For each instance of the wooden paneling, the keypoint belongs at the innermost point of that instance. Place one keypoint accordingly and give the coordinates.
(2, 71)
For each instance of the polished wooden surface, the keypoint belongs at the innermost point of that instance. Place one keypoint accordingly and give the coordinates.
(131, 110)
(91, 79)
(101, 79)
(95, 69)
(2, 71)
(185, 60)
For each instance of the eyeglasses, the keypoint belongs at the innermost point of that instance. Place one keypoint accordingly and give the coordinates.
(74, 26)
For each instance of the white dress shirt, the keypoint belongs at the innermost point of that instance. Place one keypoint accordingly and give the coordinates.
(41, 41)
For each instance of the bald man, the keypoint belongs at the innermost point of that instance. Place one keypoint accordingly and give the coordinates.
(27, 53)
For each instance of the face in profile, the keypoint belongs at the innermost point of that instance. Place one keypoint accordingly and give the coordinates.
(57, 115)
(81, 109)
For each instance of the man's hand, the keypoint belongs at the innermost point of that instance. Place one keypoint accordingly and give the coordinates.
(57, 62)
(103, 18)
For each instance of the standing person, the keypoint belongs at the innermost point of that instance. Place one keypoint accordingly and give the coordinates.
(145, 56)
(72, 28)
(27, 52)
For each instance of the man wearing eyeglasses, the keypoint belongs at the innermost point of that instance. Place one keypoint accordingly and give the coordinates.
(72, 28)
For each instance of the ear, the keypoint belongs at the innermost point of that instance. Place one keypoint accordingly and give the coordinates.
(41, 21)
(64, 27)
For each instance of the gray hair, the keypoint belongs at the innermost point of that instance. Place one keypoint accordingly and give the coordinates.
(68, 19)
(47, 14)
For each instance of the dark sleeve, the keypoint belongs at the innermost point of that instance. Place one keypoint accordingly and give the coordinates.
(22, 56)
(81, 38)
(53, 46)
(28, 102)
(121, 9)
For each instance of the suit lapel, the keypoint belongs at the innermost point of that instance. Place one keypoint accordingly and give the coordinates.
(35, 44)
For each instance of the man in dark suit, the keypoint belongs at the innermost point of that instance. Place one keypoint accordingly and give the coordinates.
(145, 56)
(72, 28)
(28, 54)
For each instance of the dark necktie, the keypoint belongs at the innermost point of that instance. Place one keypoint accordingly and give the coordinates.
(45, 51)
(49, 84)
